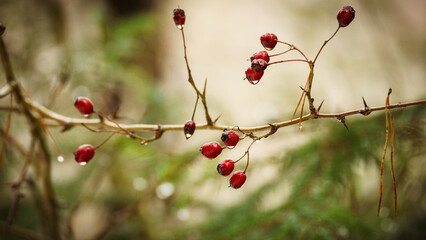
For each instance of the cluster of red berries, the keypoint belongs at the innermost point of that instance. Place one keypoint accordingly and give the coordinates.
(213, 149)
(260, 60)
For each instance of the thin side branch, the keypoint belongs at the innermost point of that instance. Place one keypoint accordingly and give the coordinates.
(325, 42)
(202, 95)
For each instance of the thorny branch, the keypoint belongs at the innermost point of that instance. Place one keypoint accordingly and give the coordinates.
(61, 120)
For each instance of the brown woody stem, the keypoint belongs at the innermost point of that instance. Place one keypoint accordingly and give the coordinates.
(202, 95)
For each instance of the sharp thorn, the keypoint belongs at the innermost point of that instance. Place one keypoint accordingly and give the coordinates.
(343, 121)
(365, 104)
(214, 122)
(319, 107)
(366, 110)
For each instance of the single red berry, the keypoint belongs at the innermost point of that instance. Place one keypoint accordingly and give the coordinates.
(189, 128)
(179, 17)
(237, 179)
(230, 138)
(345, 16)
(260, 55)
(269, 40)
(225, 167)
(84, 105)
(211, 149)
(259, 65)
(252, 76)
(84, 153)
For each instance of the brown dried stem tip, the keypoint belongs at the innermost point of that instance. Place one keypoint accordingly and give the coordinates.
(345, 16)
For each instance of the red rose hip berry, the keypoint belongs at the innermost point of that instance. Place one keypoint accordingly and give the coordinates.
(179, 17)
(345, 16)
(189, 128)
(211, 149)
(268, 41)
(225, 167)
(230, 138)
(260, 55)
(252, 76)
(237, 179)
(84, 154)
(84, 105)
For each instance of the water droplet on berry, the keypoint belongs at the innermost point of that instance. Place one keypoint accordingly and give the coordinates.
(258, 140)
(254, 82)
(180, 27)
(60, 158)
(300, 127)
(230, 147)
(268, 49)
(82, 163)
(86, 115)
(188, 135)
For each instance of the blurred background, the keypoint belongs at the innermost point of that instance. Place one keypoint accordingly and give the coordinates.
(320, 182)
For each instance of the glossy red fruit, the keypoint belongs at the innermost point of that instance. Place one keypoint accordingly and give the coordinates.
(345, 16)
(260, 55)
(179, 17)
(268, 41)
(259, 65)
(237, 179)
(84, 154)
(252, 76)
(84, 105)
(189, 128)
(230, 138)
(211, 149)
(225, 167)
